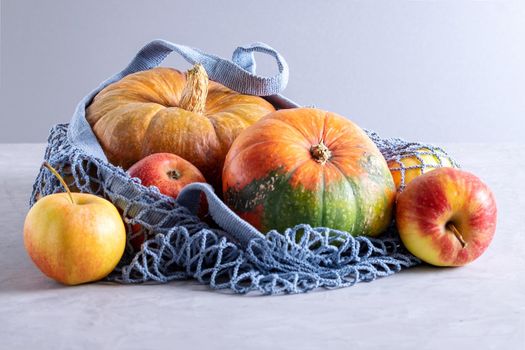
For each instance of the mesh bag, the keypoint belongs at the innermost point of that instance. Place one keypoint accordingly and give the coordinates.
(228, 253)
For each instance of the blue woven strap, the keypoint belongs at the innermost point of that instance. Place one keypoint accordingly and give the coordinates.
(235, 228)
(238, 75)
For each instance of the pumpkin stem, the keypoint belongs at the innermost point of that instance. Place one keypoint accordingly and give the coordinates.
(320, 153)
(193, 97)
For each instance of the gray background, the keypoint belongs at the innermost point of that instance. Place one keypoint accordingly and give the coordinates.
(429, 70)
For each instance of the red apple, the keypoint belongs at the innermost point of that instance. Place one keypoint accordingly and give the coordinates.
(169, 173)
(74, 238)
(446, 217)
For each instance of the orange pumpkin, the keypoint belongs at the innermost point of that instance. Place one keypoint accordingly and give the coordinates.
(305, 165)
(164, 110)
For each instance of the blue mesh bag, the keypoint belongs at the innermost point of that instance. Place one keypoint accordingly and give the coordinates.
(229, 254)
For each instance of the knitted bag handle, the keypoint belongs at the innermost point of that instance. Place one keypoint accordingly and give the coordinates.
(235, 228)
(238, 74)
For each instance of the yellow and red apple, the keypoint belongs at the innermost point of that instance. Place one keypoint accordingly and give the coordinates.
(169, 173)
(446, 217)
(74, 238)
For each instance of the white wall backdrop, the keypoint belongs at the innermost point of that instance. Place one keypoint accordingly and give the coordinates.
(440, 71)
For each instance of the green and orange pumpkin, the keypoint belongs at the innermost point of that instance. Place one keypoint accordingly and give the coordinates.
(305, 165)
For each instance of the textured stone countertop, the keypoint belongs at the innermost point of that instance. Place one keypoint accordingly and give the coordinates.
(480, 306)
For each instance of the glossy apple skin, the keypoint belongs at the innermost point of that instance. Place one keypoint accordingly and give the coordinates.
(74, 243)
(154, 170)
(442, 196)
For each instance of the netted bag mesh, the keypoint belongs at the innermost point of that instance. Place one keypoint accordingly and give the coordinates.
(412, 159)
(180, 246)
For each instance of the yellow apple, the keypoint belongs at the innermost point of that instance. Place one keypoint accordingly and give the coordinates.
(413, 166)
(74, 238)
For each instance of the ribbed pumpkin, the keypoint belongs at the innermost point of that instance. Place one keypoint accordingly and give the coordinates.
(306, 165)
(164, 110)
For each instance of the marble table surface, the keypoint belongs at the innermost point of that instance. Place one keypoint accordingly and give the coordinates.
(479, 306)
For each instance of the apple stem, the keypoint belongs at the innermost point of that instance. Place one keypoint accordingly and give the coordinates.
(60, 178)
(456, 233)
(174, 174)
